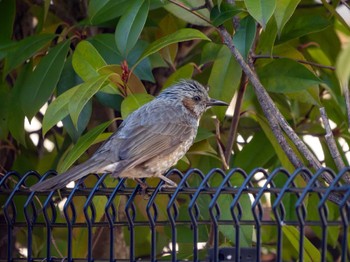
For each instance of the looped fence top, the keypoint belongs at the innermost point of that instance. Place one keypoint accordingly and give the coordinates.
(233, 216)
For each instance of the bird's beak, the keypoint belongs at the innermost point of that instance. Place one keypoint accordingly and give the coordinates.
(214, 102)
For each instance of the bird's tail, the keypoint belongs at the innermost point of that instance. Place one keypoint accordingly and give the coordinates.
(72, 174)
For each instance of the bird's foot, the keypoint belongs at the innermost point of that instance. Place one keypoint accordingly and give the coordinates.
(143, 186)
(168, 182)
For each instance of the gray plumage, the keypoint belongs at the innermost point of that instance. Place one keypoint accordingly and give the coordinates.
(149, 141)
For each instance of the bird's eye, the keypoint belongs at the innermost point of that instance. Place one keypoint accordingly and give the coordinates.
(196, 98)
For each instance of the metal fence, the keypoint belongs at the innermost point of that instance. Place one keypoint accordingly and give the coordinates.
(218, 216)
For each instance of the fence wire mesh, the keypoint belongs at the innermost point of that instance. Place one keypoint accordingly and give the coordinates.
(218, 216)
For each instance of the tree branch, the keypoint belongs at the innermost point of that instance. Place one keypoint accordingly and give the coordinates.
(235, 119)
(331, 144)
(271, 112)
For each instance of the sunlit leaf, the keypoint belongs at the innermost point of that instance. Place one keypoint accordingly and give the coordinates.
(261, 10)
(224, 79)
(284, 10)
(81, 146)
(130, 26)
(343, 68)
(58, 109)
(43, 80)
(181, 35)
(311, 253)
(184, 72)
(83, 94)
(133, 102)
(86, 60)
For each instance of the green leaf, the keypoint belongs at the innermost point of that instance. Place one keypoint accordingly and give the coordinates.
(43, 80)
(16, 116)
(287, 76)
(130, 26)
(343, 68)
(276, 145)
(228, 231)
(86, 60)
(224, 12)
(244, 37)
(25, 49)
(83, 95)
(311, 253)
(300, 25)
(249, 158)
(82, 145)
(187, 16)
(58, 109)
(284, 11)
(100, 11)
(181, 35)
(267, 38)
(224, 79)
(261, 10)
(8, 12)
(133, 102)
(184, 72)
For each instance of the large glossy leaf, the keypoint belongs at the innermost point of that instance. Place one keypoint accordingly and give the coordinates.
(287, 76)
(300, 25)
(181, 35)
(184, 72)
(100, 11)
(267, 38)
(86, 60)
(133, 102)
(244, 37)
(83, 95)
(43, 80)
(16, 116)
(25, 49)
(82, 145)
(343, 68)
(311, 253)
(249, 157)
(224, 79)
(224, 12)
(284, 10)
(58, 109)
(106, 46)
(261, 10)
(130, 26)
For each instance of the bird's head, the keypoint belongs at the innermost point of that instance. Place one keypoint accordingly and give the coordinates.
(192, 95)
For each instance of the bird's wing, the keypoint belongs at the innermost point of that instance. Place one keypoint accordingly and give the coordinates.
(149, 141)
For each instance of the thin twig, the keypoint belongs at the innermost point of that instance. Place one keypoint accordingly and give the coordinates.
(218, 141)
(297, 60)
(235, 119)
(347, 102)
(333, 149)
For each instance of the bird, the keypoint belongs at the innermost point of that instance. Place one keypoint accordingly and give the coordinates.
(149, 141)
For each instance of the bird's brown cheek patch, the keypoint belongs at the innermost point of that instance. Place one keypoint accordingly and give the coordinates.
(189, 104)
